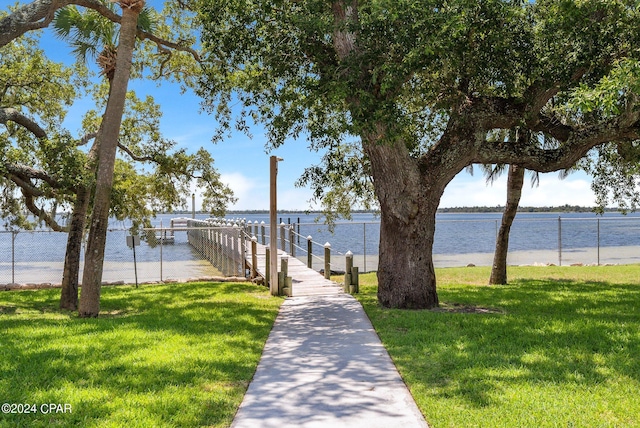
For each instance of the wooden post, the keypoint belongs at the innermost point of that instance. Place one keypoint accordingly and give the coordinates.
(283, 274)
(273, 210)
(267, 261)
(255, 229)
(309, 256)
(288, 286)
(327, 261)
(254, 257)
(284, 265)
(355, 280)
(283, 246)
(264, 241)
(347, 271)
(240, 251)
(225, 263)
(233, 243)
(216, 248)
(292, 247)
(281, 278)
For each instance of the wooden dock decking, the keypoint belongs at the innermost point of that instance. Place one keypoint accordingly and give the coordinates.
(306, 282)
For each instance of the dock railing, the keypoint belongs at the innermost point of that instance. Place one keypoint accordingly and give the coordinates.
(227, 244)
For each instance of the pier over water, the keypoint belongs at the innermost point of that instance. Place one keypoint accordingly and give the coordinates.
(232, 247)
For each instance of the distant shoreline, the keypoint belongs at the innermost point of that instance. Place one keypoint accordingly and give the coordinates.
(461, 210)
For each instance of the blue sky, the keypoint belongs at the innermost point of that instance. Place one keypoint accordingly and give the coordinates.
(244, 163)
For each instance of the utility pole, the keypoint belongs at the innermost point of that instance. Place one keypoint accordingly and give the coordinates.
(273, 211)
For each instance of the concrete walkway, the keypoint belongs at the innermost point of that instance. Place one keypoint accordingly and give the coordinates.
(324, 366)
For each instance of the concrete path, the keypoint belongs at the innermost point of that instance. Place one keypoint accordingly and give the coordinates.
(324, 366)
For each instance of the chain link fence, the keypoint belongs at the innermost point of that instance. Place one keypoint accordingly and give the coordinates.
(37, 257)
(166, 255)
(533, 241)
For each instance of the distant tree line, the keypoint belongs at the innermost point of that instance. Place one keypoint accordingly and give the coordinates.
(500, 208)
(566, 208)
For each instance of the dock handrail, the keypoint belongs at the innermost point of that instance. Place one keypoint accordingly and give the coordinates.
(226, 243)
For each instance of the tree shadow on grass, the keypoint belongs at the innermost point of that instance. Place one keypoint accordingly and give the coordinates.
(171, 355)
(569, 334)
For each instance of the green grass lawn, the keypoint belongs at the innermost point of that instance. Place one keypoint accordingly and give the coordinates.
(557, 347)
(178, 355)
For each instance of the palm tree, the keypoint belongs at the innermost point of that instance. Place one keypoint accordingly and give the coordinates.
(115, 64)
(92, 35)
(87, 31)
(107, 141)
(515, 181)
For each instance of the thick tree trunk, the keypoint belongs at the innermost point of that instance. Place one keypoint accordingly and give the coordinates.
(108, 141)
(408, 200)
(69, 294)
(515, 181)
(406, 275)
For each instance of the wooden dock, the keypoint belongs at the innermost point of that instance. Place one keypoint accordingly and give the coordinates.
(306, 282)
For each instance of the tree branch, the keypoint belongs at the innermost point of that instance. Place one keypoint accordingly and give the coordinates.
(13, 115)
(162, 44)
(578, 143)
(40, 13)
(42, 214)
(133, 156)
(26, 185)
(86, 138)
(31, 173)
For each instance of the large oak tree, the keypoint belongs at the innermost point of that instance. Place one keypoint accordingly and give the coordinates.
(422, 84)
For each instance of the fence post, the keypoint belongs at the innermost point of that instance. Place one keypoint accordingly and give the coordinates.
(598, 242)
(163, 234)
(292, 246)
(264, 242)
(364, 244)
(559, 241)
(254, 257)
(327, 261)
(309, 257)
(283, 247)
(255, 229)
(13, 256)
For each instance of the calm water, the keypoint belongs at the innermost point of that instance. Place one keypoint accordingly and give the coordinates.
(455, 234)
(476, 233)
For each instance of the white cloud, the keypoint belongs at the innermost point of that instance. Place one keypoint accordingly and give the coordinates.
(553, 192)
(252, 192)
(295, 199)
(466, 191)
